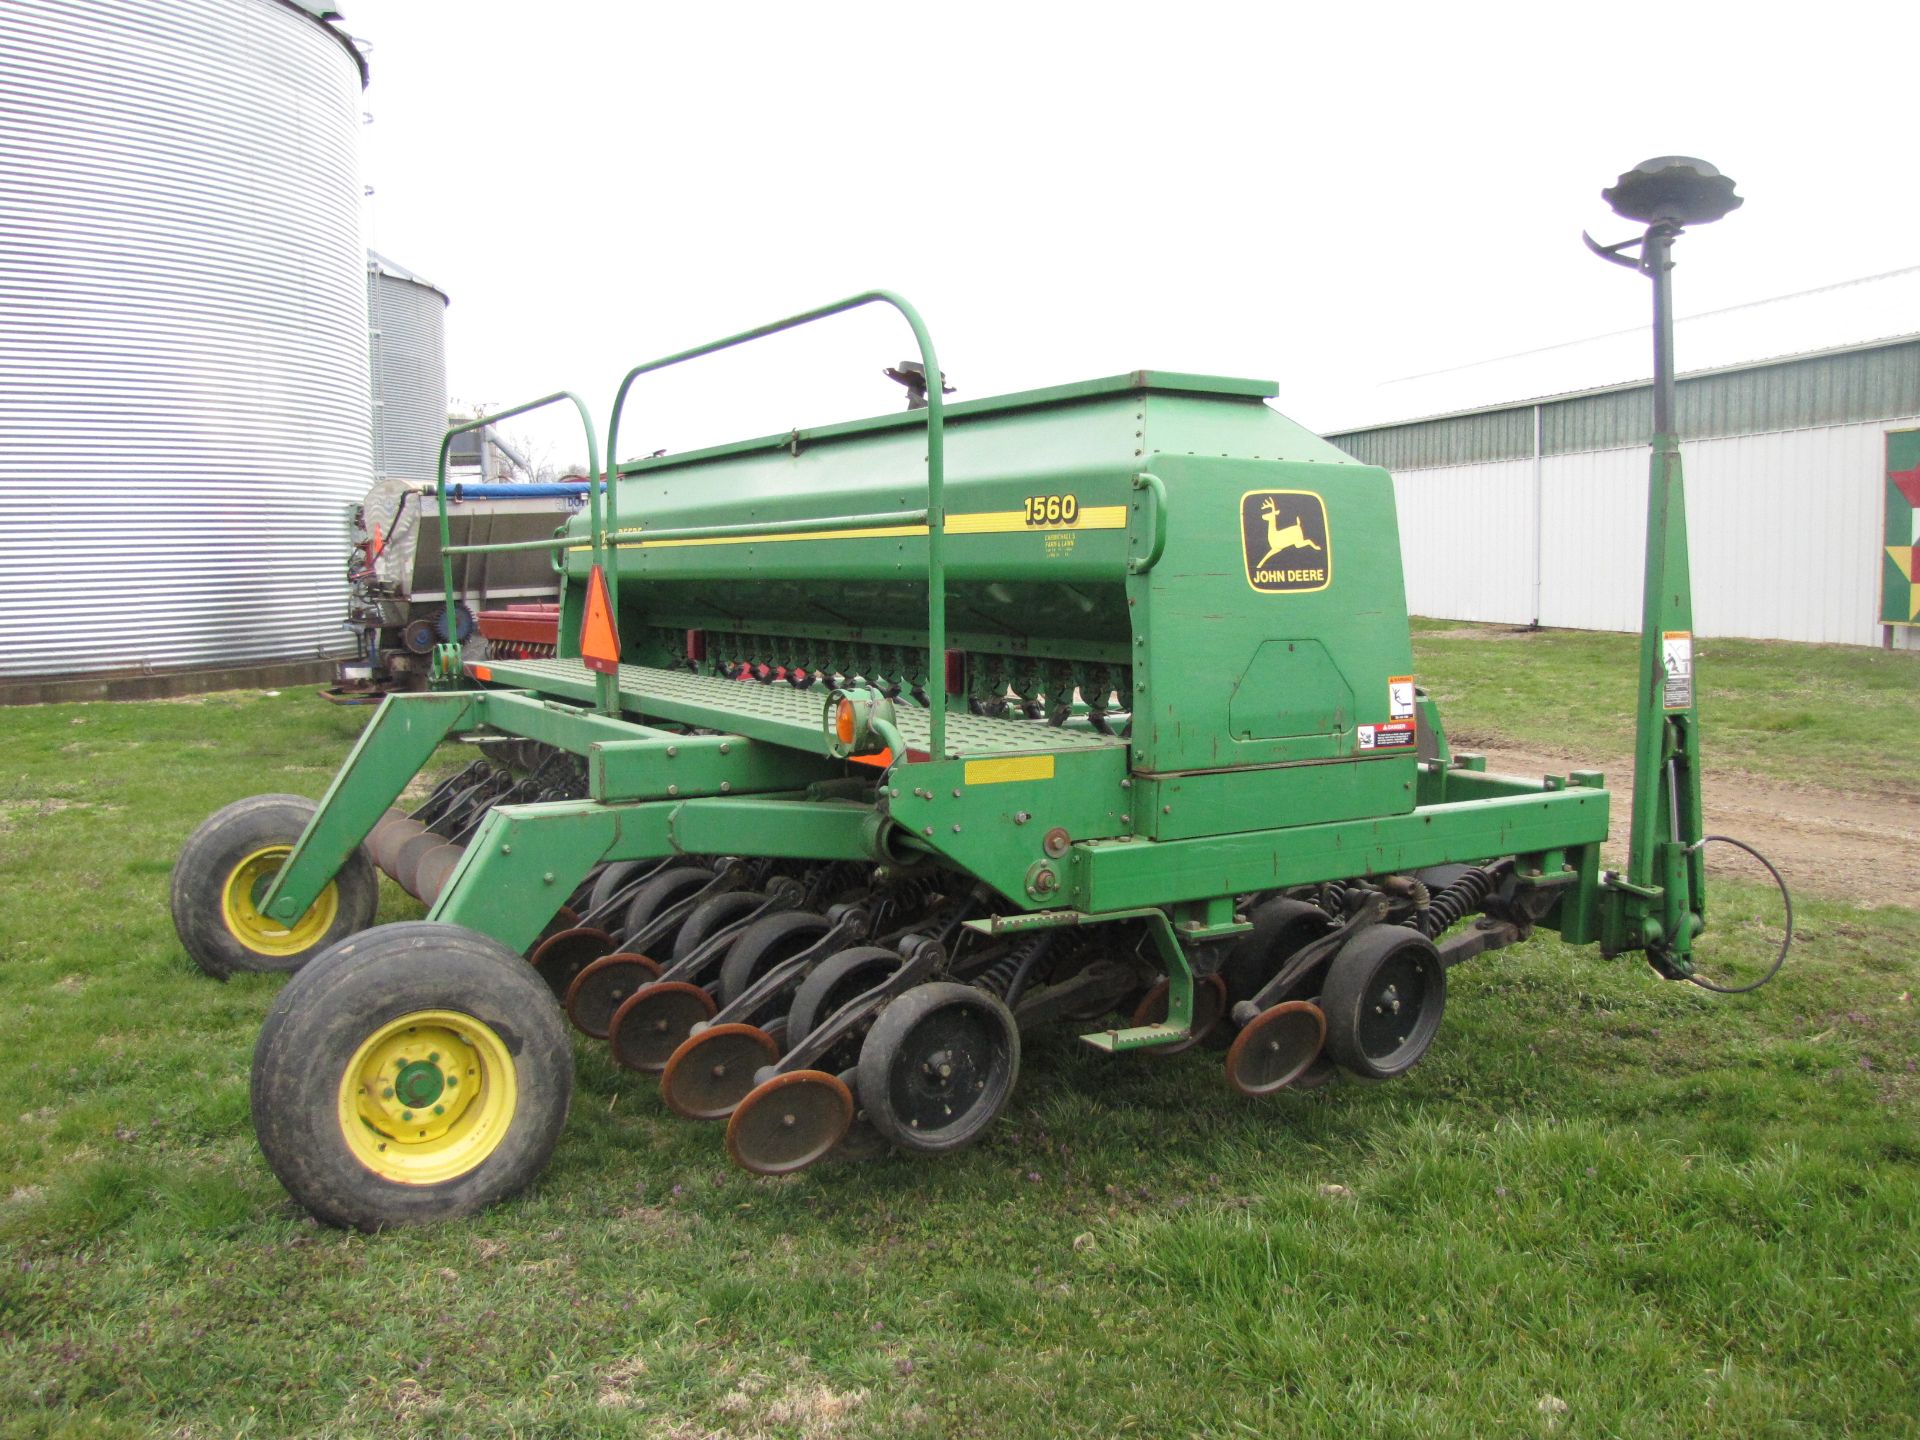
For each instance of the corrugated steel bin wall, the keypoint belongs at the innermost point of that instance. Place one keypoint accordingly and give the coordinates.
(183, 346)
(406, 331)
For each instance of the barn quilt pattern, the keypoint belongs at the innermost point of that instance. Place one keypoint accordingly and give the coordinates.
(1900, 572)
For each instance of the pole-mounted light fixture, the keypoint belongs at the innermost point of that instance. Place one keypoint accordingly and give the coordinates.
(1666, 194)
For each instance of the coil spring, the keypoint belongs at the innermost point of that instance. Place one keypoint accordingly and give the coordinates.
(905, 900)
(1009, 976)
(826, 881)
(1462, 898)
(1333, 899)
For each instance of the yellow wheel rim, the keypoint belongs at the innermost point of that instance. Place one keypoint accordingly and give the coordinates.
(427, 1097)
(240, 907)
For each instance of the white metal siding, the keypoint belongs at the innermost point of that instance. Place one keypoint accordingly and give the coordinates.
(1784, 530)
(183, 349)
(1466, 539)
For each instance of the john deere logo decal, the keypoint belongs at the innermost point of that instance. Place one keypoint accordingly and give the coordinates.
(1284, 534)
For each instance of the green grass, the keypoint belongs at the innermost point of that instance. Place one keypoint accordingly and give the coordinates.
(1826, 715)
(1677, 1215)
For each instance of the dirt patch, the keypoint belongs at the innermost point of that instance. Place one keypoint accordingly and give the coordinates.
(1845, 846)
(1478, 632)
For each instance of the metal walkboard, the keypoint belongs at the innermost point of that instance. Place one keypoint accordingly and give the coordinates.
(779, 713)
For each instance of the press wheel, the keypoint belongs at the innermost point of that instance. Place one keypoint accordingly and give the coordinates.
(650, 1023)
(1209, 1008)
(769, 941)
(938, 1066)
(1276, 1047)
(1385, 993)
(713, 915)
(712, 1072)
(600, 989)
(789, 1122)
(562, 956)
(1281, 926)
(660, 892)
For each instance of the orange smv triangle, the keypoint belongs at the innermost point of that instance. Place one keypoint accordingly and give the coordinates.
(599, 637)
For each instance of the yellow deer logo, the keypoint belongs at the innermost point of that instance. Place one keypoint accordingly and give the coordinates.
(1291, 537)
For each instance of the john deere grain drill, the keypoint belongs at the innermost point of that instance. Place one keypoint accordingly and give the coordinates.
(872, 748)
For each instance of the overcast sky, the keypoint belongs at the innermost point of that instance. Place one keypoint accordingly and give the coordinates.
(1330, 196)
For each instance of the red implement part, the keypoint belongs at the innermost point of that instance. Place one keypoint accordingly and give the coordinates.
(522, 632)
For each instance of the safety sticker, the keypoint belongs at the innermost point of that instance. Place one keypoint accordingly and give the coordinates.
(1390, 736)
(1676, 659)
(1400, 697)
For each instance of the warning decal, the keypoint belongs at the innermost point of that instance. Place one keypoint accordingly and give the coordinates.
(1676, 660)
(1391, 736)
(1400, 697)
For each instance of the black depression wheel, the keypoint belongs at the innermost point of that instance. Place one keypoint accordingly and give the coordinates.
(612, 878)
(414, 1073)
(834, 982)
(1383, 999)
(223, 873)
(712, 915)
(938, 1066)
(769, 941)
(1280, 927)
(658, 894)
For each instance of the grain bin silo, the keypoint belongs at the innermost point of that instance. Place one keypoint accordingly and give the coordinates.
(406, 332)
(183, 333)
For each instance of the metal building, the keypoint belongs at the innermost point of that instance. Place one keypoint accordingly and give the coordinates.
(406, 338)
(1534, 511)
(183, 338)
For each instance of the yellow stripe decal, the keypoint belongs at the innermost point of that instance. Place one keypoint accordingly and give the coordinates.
(1008, 522)
(1017, 767)
(979, 522)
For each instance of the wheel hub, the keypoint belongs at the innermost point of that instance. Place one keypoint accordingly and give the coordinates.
(427, 1097)
(247, 886)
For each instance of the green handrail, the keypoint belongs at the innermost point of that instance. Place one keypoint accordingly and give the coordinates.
(935, 513)
(446, 661)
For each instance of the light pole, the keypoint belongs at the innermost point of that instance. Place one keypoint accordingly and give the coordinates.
(1663, 902)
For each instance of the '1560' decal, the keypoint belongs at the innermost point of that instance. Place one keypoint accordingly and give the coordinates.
(1052, 509)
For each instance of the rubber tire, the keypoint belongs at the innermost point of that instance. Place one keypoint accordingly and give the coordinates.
(711, 916)
(816, 1000)
(879, 1057)
(324, 1013)
(666, 889)
(611, 878)
(1280, 927)
(1343, 998)
(769, 941)
(225, 839)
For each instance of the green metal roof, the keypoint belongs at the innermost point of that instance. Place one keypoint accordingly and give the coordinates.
(1133, 382)
(1877, 381)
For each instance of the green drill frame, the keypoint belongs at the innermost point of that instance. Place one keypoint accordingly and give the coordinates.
(1242, 771)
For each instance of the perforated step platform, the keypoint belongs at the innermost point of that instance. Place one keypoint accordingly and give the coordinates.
(780, 713)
